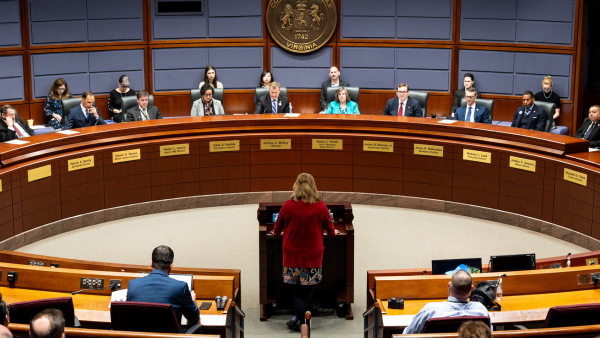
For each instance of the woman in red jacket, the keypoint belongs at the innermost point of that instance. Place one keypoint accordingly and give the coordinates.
(301, 221)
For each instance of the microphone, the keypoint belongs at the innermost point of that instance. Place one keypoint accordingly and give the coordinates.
(568, 263)
(380, 111)
(223, 302)
(499, 122)
(218, 301)
(113, 287)
(424, 271)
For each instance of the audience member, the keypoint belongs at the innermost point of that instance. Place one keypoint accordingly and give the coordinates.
(84, 115)
(458, 305)
(334, 81)
(342, 103)
(5, 332)
(49, 323)
(403, 105)
(301, 222)
(207, 105)
(474, 329)
(472, 112)
(210, 77)
(142, 112)
(468, 82)
(4, 312)
(265, 79)
(116, 98)
(158, 287)
(548, 95)
(11, 126)
(53, 108)
(273, 103)
(529, 116)
(589, 129)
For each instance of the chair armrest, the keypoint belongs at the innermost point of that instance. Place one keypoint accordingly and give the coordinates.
(77, 323)
(520, 327)
(195, 329)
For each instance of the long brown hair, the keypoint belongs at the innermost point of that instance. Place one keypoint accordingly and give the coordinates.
(209, 67)
(305, 189)
(57, 83)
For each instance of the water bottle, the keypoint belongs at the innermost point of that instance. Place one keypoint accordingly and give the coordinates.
(569, 262)
(331, 214)
(290, 108)
(499, 289)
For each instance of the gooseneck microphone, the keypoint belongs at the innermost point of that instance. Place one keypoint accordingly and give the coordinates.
(113, 287)
(499, 122)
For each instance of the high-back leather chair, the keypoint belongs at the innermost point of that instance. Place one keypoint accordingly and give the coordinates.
(450, 324)
(422, 97)
(489, 104)
(259, 92)
(131, 101)
(549, 108)
(195, 95)
(571, 315)
(146, 317)
(352, 91)
(23, 312)
(69, 104)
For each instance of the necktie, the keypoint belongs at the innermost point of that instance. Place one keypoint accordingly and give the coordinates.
(87, 113)
(468, 119)
(527, 111)
(587, 134)
(400, 112)
(145, 116)
(274, 111)
(18, 131)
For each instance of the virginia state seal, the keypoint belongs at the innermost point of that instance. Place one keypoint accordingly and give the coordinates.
(301, 26)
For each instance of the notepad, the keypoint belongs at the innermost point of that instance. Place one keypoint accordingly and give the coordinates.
(16, 142)
(448, 121)
(291, 115)
(68, 132)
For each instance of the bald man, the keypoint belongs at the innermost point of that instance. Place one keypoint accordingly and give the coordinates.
(49, 323)
(458, 305)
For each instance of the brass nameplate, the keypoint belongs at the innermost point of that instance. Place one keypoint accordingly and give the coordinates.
(591, 261)
(81, 163)
(384, 147)
(217, 146)
(39, 173)
(522, 163)
(477, 156)
(0, 185)
(127, 155)
(275, 144)
(429, 150)
(576, 177)
(327, 144)
(175, 149)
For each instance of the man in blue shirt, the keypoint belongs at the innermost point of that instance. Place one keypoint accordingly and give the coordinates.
(458, 305)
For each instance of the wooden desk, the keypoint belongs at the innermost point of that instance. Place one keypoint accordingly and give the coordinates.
(22, 330)
(563, 332)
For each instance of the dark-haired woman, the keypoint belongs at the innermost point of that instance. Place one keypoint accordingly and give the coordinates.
(210, 77)
(265, 79)
(115, 99)
(53, 108)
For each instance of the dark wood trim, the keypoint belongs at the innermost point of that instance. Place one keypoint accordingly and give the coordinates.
(202, 41)
(148, 69)
(578, 75)
(367, 44)
(396, 41)
(85, 49)
(146, 17)
(516, 45)
(88, 45)
(207, 44)
(25, 19)
(514, 49)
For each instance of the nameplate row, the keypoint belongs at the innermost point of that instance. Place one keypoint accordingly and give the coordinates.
(575, 177)
(80, 163)
(378, 146)
(275, 144)
(175, 149)
(522, 163)
(429, 150)
(477, 156)
(39, 173)
(327, 144)
(126, 155)
(219, 146)
(0, 185)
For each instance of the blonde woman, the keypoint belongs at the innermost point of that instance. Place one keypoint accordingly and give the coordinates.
(548, 95)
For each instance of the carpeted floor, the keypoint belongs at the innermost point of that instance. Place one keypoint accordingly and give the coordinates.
(385, 238)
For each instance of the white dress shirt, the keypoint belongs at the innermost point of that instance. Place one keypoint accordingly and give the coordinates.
(144, 113)
(401, 113)
(472, 118)
(16, 125)
(84, 110)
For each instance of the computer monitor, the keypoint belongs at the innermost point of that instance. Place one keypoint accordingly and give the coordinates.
(441, 266)
(512, 262)
(188, 279)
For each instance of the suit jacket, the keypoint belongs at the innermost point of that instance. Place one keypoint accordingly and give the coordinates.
(458, 95)
(594, 136)
(324, 86)
(7, 134)
(334, 108)
(198, 109)
(538, 122)
(76, 119)
(482, 115)
(135, 114)
(158, 287)
(264, 105)
(413, 108)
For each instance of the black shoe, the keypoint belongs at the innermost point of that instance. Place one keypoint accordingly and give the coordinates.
(291, 324)
(297, 327)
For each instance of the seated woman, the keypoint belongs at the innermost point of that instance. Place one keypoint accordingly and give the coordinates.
(206, 105)
(53, 106)
(547, 95)
(265, 79)
(116, 98)
(342, 104)
(210, 77)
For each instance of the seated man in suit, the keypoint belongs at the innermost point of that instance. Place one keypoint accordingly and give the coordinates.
(273, 103)
(84, 115)
(472, 112)
(334, 81)
(589, 129)
(529, 116)
(142, 112)
(49, 323)
(403, 105)
(158, 287)
(11, 126)
(458, 305)
(468, 81)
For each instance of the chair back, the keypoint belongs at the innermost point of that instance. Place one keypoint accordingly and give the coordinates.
(23, 312)
(572, 315)
(489, 104)
(422, 97)
(260, 92)
(69, 104)
(352, 92)
(218, 94)
(143, 317)
(549, 108)
(450, 324)
(131, 101)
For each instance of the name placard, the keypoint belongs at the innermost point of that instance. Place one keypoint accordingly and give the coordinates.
(327, 144)
(175, 149)
(477, 156)
(275, 144)
(217, 146)
(80, 163)
(576, 177)
(0, 185)
(39, 173)
(380, 146)
(522, 163)
(429, 150)
(126, 155)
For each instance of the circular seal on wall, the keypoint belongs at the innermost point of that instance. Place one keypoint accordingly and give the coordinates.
(301, 26)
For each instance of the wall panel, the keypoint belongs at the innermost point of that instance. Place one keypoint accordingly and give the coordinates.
(12, 87)
(301, 70)
(10, 23)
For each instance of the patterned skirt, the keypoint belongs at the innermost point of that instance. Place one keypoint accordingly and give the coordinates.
(302, 276)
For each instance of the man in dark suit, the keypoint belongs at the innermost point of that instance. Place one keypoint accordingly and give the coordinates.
(84, 115)
(142, 112)
(11, 126)
(158, 287)
(468, 81)
(273, 103)
(403, 105)
(590, 128)
(529, 116)
(334, 81)
(472, 112)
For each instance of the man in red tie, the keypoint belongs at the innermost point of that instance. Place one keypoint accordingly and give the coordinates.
(403, 105)
(11, 126)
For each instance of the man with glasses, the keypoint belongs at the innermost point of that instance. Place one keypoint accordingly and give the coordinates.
(206, 105)
(529, 116)
(403, 105)
(472, 112)
(590, 129)
(142, 112)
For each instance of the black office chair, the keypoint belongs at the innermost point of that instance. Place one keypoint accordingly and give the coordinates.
(422, 97)
(195, 95)
(489, 104)
(131, 101)
(549, 108)
(352, 92)
(69, 104)
(260, 92)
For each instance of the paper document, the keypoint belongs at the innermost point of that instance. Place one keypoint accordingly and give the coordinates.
(594, 149)
(37, 127)
(448, 121)
(68, 132)
(118, 296)
(291, 115)
(16, 142)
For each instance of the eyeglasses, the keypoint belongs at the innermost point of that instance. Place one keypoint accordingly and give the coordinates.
(61, 89)
(207, 94)
(402, 92)
(470, 97)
